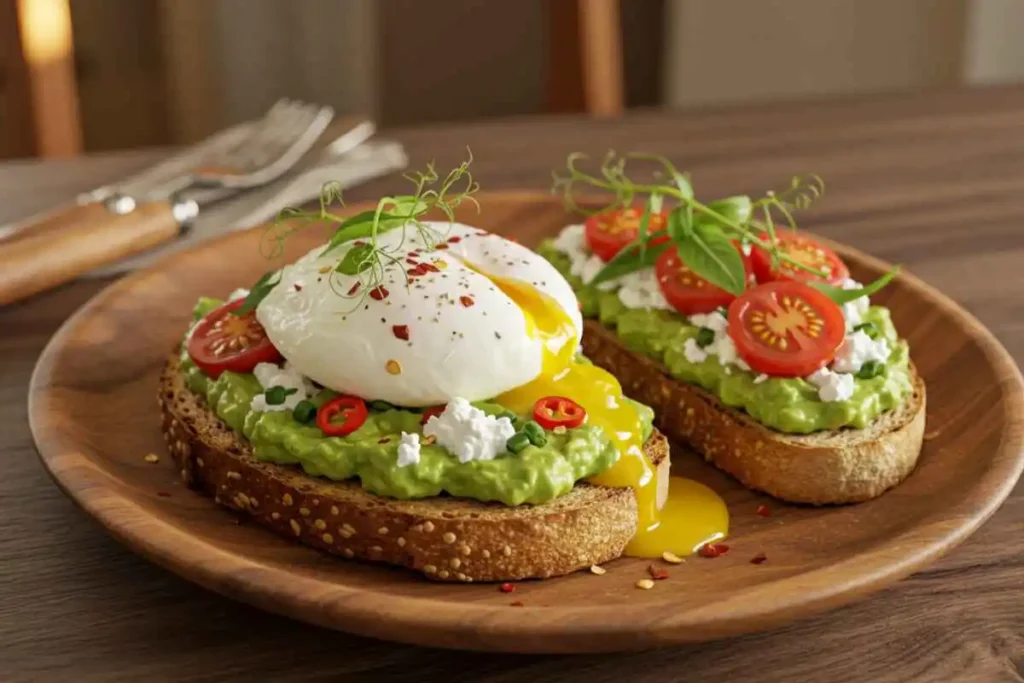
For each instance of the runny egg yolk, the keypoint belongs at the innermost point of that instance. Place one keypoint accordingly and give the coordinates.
(691, 514)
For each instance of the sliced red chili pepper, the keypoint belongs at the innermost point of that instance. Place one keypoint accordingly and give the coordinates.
(379, 292)
(354, 288)
(455, 240)
(401, 331)
(431, 412)
(352, 411)
(558, 411)
(763, 511)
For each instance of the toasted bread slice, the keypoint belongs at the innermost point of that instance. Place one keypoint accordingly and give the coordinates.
(837, 466)
(448, 539)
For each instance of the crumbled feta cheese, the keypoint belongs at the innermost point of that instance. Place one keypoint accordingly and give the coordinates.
(572, 242)
(270, 375)
(857, 349)
(239, 293)
(760, 378)
(832, 386)
(409, 449)
(640, 289)
(468, 432)
(693, 352)
(722, 345)
(854, 310)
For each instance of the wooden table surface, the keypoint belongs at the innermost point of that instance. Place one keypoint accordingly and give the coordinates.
(934, 181)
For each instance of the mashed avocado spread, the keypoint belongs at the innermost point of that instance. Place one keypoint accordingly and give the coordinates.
(535, 475)
(788, 405)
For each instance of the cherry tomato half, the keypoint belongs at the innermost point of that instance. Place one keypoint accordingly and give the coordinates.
(688, 293)
(804, 250)
(558, 411)
(352, 411)
(225, 341)
(786, 328)
(607, 233)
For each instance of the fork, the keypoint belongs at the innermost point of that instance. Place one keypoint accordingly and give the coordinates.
(118, 225)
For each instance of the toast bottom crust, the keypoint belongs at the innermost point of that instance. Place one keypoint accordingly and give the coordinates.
(839, 466)
(447, 539)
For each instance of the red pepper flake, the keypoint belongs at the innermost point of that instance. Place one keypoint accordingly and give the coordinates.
(507, 587)
(454, 240)
(411, 261)
(713, 550)
(657, 573)
(358, 243)
(466, 301)
(401, 331)
(517, 603)
(512, 239)
(355, 288)
(379, 293)
(384, 440)
(441, 246)
(430, 268)
(759, 558)
(298, 287)
(163, 494)
(763, 511)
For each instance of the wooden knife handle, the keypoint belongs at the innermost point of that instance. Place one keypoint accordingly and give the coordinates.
(84, 238)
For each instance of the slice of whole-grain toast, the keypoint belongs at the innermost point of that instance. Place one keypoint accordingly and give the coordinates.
(836, 466)
(445, 538)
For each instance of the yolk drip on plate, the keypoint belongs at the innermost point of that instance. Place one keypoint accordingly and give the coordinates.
(692, 514)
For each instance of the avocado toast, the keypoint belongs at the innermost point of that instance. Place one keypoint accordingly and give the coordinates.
(412, 392)
(748, 339)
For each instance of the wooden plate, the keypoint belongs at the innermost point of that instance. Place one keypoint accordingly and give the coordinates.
(94, 417)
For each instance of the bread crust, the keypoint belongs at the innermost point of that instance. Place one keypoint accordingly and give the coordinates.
(837, 466)
(447, 539)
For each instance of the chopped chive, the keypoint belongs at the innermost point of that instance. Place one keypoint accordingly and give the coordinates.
(869, 329)
(304, 412)
(381, 406)
(705, 337)
(870, 369)
(276, 395)
(535, 433)
(517, 442)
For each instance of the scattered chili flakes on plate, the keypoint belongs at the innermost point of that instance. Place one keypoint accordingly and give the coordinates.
(466, 301)
(355, 288)
(379, 293)
(658, 574)
(401, 331)
(713, 550)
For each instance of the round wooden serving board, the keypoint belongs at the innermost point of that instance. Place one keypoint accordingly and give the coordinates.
(94, 416)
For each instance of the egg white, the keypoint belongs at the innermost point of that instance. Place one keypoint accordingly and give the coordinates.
(476, 352)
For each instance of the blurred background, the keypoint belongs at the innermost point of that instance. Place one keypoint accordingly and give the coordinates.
(94, 75)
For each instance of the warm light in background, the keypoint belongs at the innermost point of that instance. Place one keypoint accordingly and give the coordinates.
(45, 30)
(48, 47)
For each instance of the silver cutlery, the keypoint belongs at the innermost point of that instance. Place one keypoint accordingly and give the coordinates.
(116, 225)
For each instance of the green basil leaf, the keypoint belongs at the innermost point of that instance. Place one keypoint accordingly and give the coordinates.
(736, 209)
(630, 259)
(361, 225)
(356, 260)
(713, 256)
(842, 296)
(259, 292)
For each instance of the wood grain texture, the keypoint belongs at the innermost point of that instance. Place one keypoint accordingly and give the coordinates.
(931, 180)
(76, 241)
(93, 373)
